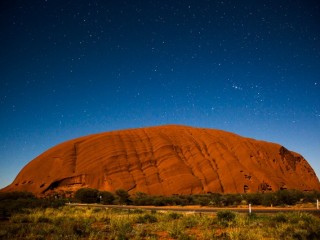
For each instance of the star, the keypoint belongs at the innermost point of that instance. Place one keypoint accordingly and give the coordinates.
(236, 87)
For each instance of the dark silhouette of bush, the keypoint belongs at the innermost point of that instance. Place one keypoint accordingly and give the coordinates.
(106, 197)
(16, 195)
(232, 199)
(311, 196)
(145, 201)
(147, 218)
(123, 196)
(254, 198)
(159, 201)
(18, 202)
(142, 199)
(226, 217)
(174, 215)
(86, 195)
(280, 218)
(202, 200)
(283, 197)
(288, 197)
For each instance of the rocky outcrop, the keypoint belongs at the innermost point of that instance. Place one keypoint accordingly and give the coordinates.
(166, 160)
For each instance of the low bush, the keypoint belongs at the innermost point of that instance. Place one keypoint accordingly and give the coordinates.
(123, 197)
(86, 195)
(12, 206)
(226, 217)
(120, 228)
(16, 195)
(20, 218)
(280, 218)
(43, 219)
(147, 218)
(190, 221)
(288, 197)
(174, 215)
(175, 230)
(106, 197)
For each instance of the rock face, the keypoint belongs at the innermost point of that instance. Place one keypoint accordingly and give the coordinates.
(166, 160)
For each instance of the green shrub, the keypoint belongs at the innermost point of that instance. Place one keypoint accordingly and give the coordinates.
(190, 221)
(212, 199)
(80, 229)
(43, 219)
(174, 215)
(254, 198)
(288, 197)
(16, 195)
(147, 218)
(158, 201)
(120, 228)
(244, 234)
(232, 199)
(311, 197)
(175, 230)
(202, 201)
(97, 210)
(296, 225)
(283, 197)
(86, 195)
(106, 197)
(226, 217)
(123, 196)
(185, 236)
(4, 212)
(20, 218)
(138, 211)
(280, 218)
(14, 205)
(251, 216)
(268, 199)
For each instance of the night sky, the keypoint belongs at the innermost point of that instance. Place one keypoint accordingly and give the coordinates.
(72, 68)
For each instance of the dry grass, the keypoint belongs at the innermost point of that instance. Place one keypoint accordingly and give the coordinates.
(98, 223)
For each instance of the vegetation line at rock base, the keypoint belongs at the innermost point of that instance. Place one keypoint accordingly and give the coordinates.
(279, 198)
(13, 202)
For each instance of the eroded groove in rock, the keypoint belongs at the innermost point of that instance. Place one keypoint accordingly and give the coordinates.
(166, 160)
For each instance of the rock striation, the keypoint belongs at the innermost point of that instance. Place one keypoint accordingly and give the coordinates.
(166, 160)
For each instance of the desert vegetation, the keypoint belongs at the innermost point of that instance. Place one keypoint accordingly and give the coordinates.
(16, 202)
(99, 223)
(23, 216)
(279, 198)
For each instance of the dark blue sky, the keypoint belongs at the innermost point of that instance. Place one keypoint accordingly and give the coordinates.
(72, 68)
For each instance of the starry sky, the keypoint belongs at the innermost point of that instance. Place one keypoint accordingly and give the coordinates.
(72, 68)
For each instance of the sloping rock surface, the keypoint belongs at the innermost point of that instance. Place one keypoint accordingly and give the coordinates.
(166, 160)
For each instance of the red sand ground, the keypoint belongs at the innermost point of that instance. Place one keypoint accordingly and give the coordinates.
(166, 160)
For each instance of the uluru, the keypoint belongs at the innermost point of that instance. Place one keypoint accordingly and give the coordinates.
(166, 160)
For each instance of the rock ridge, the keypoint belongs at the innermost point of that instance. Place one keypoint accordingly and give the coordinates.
(166, 160)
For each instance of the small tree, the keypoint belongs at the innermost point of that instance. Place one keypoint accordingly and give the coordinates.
(268, 199)
(106, 197)
(123, 196)
(141, 198)
(86, 195)
(254, 198)
(288, 197)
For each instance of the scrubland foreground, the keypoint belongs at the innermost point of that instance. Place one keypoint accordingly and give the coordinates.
(69, 222)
